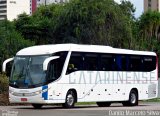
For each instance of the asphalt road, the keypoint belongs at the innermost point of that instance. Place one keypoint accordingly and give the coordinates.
(144, 109)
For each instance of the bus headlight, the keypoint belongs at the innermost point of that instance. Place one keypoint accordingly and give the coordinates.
(36, 93)
(28, 94)
(11, 92)
(40, 91)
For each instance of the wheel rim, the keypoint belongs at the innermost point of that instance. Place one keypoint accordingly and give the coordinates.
(133, 98)
(70, 99)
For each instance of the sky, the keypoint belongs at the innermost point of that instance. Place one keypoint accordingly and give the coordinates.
(138, 4)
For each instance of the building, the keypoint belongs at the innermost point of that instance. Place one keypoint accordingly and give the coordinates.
(151, 5)
(3, 9)
(16, 7)
(47, 2)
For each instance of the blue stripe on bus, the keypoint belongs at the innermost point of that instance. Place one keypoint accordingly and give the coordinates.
(45, 94)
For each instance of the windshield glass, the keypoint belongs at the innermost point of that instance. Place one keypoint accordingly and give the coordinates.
(27, 71)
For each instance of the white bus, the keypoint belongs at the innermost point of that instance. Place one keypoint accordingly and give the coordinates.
(70, 73)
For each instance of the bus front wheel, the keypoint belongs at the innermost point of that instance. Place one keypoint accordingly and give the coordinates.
(37, 106)
(70, 100)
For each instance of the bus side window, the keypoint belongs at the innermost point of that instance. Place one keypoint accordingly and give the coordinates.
(149, 63)
(121, 63)
(75, 63)
(91, 62)
(55, 68)
(127, 63)
(118, 66)
(135, 63)
(107, 62)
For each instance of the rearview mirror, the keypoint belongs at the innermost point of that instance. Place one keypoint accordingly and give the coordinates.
(5, 63)
(47, 60)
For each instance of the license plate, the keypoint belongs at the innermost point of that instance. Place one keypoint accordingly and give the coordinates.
(24, 99)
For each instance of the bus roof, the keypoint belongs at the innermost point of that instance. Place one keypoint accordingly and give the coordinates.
(50, 49)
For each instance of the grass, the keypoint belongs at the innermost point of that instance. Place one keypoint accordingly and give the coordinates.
(86, 103)
(152, 100)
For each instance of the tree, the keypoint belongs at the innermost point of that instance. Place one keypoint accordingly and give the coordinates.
(39, 27)
(79, 21)
(129, 10)
(11, 40)
(149, 28)
(93, 22)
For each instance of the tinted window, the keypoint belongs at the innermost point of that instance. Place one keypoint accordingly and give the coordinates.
(120, 63)
(149, 63)
(107, 62)
(75, 62)
(55, 70)
(110, 62)
(135, 63)
(91, 61)
(56, 66)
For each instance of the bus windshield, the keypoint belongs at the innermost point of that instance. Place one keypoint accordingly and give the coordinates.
(27, 72)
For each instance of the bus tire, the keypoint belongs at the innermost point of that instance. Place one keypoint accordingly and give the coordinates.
(133, 99)
(103, 104)
(37, 106)
(70, 100)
